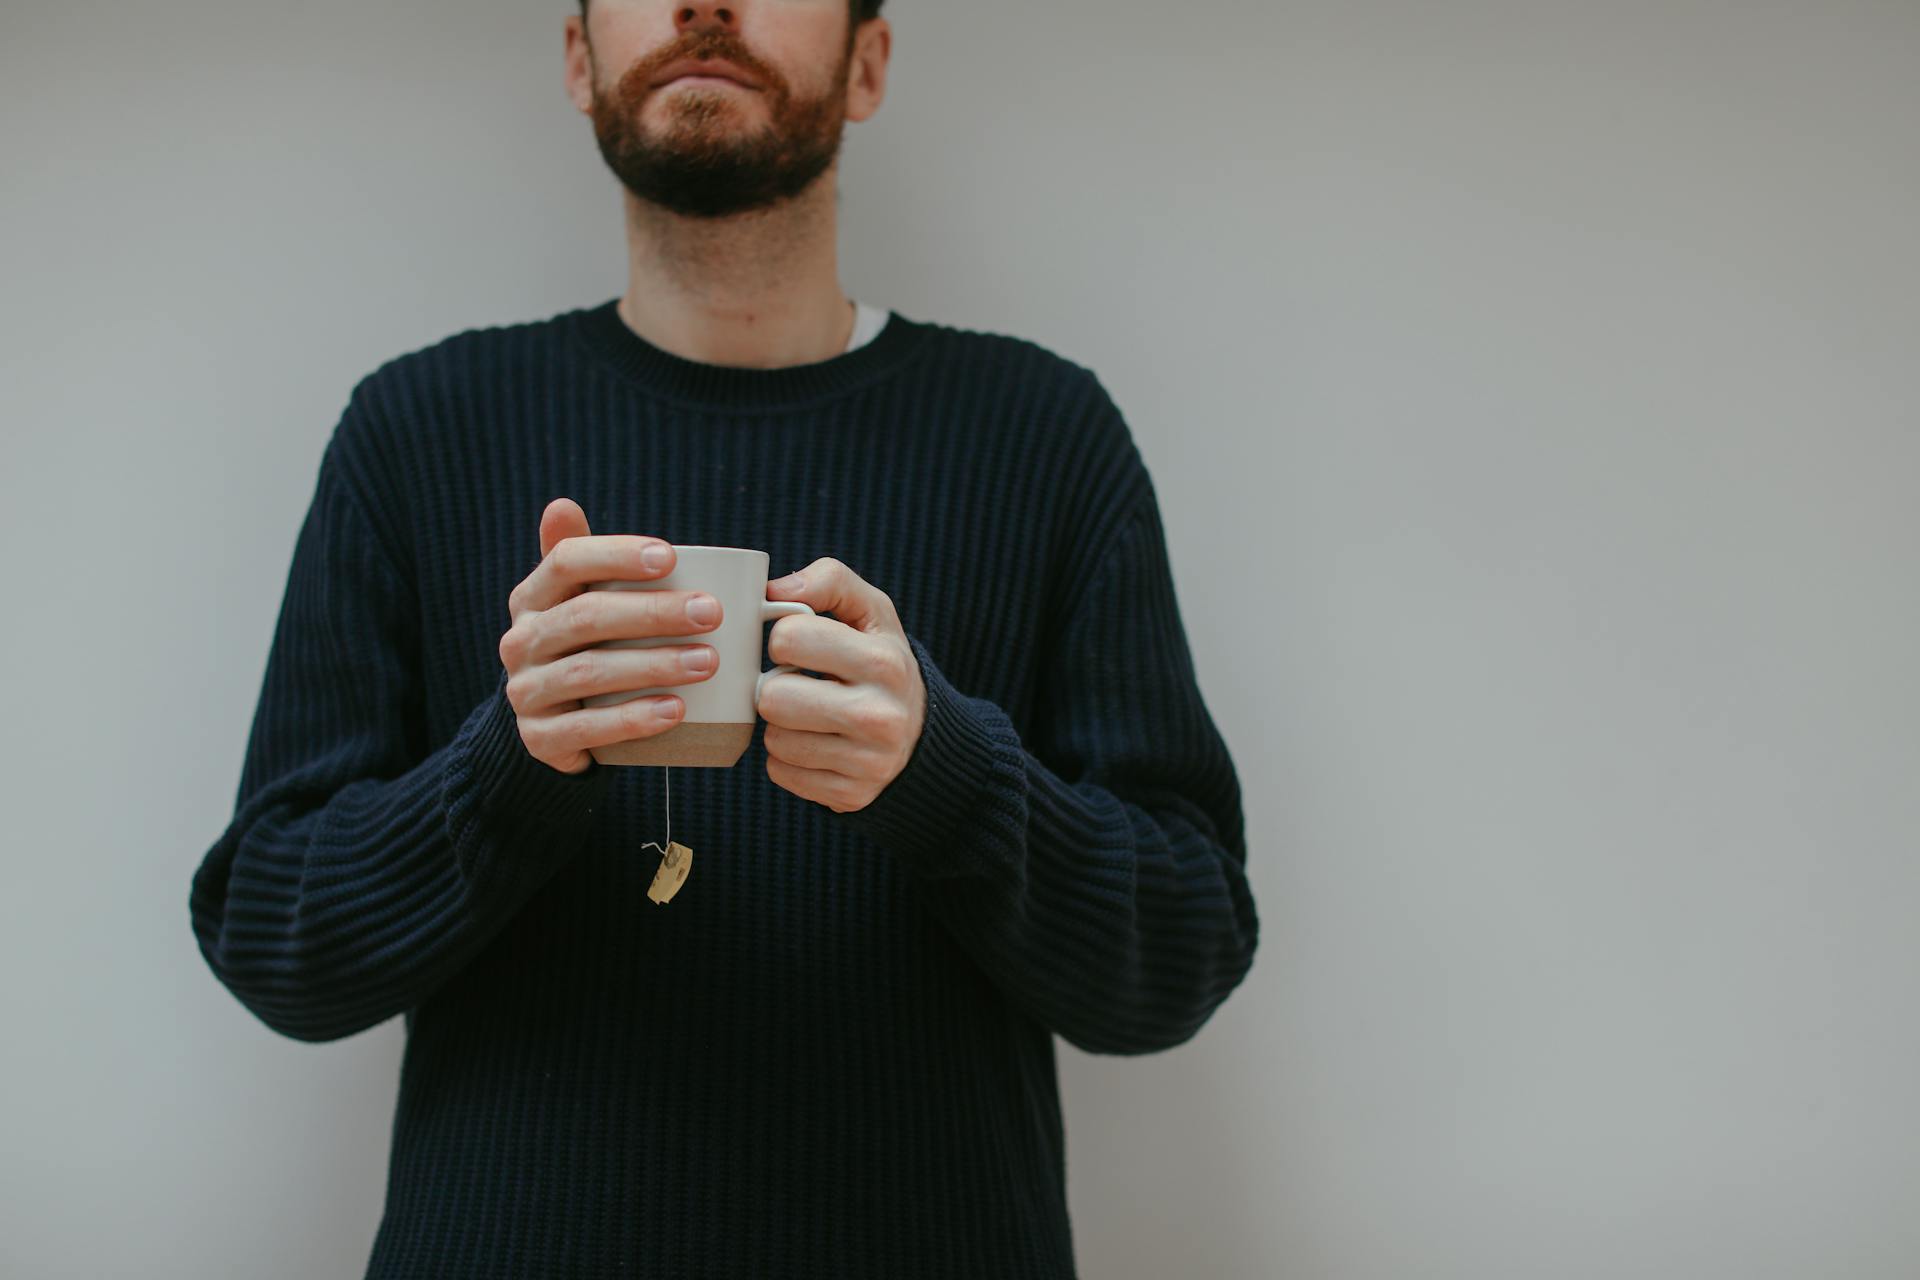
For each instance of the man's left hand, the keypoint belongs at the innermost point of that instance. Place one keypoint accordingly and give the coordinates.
(840, 741)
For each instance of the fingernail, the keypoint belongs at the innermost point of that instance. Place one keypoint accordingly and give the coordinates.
(655, 557)
(792, 582)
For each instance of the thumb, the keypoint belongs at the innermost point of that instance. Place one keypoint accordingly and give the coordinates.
(562, 519)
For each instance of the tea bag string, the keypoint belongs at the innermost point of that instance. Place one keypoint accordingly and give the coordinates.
(666, 772)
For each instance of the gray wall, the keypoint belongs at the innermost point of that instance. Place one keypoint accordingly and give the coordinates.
(1532, 392)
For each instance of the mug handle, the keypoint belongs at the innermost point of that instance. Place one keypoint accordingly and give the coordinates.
(769, 610)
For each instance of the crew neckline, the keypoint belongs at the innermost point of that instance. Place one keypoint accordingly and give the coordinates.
(659, 372)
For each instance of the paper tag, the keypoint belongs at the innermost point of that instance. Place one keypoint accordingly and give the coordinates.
(674, 866)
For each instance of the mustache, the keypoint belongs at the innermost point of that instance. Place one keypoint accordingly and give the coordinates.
(699, 46)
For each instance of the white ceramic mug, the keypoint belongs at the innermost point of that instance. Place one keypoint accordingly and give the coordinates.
(717, 726)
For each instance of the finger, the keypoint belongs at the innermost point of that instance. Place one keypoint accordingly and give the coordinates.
(830, 646)
(814, 705)
(822, 786)
(831, 587)
(556, 735)
(563, 518)
(594, 617)
(832, 752)
(564, 682)
(574, 561)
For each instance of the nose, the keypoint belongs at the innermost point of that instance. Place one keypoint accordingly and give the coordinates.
(701, 15)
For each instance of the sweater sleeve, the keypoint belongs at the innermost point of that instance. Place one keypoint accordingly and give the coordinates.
(1096, 874)
(360, 869)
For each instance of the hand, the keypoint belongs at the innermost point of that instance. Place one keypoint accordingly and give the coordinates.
(840, 741)
(550, 663)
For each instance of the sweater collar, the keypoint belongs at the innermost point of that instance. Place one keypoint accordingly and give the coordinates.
(661, 373)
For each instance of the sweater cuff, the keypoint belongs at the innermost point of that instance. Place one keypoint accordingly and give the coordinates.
(493, 773)
(934, 812)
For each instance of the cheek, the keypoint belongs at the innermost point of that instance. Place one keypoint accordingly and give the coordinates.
(624, 35)
(802, 40)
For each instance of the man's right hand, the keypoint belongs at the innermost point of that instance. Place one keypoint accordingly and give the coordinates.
(551, 664)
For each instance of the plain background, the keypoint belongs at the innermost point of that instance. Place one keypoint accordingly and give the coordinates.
(1532, 394)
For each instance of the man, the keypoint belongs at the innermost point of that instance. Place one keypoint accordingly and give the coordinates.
(990, 807)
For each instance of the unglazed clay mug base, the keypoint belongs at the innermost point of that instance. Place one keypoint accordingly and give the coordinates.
(717, 726)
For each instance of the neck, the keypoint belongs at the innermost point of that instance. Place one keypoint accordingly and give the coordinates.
(757, 290)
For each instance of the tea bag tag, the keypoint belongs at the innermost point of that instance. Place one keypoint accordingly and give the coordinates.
(674, 865)
(675, 860)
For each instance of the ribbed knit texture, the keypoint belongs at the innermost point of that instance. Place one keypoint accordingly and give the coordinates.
(831, 1054)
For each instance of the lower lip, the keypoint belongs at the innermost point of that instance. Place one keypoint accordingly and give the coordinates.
(704, 80)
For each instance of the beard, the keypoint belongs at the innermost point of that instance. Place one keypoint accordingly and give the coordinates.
(707, 161)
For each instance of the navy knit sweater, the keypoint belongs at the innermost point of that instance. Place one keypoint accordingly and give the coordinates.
(831, 1054)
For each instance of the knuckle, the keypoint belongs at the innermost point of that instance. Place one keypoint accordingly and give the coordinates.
(639, 714)
(579, 670)
(516, 691)
(516, 646)
(872, 718)
(535, 632)
(880, 665)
